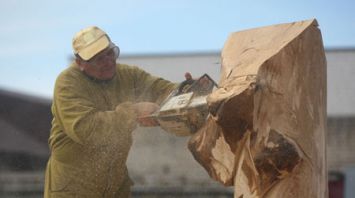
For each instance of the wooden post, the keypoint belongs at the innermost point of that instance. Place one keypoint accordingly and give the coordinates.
(266, 131)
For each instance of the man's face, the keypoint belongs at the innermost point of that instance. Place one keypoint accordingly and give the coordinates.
(103, 65)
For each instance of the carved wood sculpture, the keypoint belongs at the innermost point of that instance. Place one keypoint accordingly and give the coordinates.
(266, 130)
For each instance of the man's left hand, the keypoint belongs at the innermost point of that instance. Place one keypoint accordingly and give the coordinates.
(144, 114)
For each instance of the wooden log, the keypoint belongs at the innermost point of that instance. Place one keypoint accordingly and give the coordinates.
(266, 130)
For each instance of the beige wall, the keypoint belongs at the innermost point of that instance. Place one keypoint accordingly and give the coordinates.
(174, 66)
(341, 86)
(341, 143)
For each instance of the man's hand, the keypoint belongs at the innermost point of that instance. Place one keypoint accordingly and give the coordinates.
(144, 111)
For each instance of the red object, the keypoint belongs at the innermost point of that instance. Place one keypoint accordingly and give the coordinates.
(336, 185)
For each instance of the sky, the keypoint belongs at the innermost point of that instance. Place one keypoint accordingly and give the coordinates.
(36, 35)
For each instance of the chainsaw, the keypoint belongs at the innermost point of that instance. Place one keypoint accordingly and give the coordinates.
(185, 109)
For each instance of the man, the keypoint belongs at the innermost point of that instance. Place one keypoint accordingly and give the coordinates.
(96, 104)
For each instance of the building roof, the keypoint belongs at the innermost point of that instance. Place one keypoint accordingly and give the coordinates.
(26, 113)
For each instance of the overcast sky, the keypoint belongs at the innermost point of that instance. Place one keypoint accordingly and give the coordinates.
(36, 35)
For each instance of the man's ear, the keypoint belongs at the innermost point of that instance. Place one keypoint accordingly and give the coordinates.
(80, 64)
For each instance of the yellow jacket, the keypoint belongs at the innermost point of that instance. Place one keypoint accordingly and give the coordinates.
(91, 131)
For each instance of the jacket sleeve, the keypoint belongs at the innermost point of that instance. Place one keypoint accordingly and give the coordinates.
(84, 122)
(151, 88)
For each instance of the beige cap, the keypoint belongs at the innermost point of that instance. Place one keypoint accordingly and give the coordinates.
(89, 42)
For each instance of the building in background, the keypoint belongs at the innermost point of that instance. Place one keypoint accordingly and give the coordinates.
(159, 162)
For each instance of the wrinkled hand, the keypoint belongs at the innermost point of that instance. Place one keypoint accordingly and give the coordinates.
(144, 110)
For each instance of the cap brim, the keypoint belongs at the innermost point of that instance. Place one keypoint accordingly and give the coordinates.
(94, 48)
